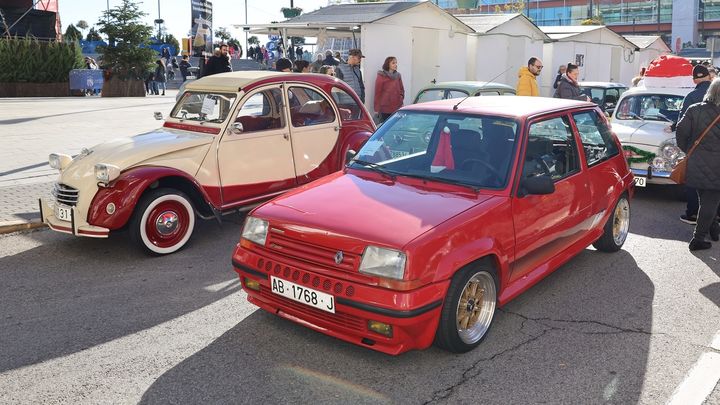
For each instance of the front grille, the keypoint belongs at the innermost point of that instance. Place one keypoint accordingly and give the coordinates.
(65, 194)
(302, 311)
(313, 254)
(306, 278)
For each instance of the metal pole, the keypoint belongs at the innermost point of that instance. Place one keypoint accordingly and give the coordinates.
(159, 26)
(247, 46)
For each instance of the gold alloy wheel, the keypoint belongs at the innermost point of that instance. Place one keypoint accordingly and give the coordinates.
(621, 221)
(476, 307)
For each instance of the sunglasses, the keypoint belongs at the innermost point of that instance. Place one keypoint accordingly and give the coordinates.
(538, 67)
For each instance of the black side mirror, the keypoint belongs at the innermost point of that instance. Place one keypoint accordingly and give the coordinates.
(536, 185)
(349, 155)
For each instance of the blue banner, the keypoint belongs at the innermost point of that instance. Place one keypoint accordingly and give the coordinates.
(90, 79)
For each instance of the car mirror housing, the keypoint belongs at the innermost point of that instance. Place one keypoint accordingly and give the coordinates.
(537, 185)
(158, 115)
(236, 128)
(349, 155)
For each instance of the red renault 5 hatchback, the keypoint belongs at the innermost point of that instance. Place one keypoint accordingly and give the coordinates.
(451, 209)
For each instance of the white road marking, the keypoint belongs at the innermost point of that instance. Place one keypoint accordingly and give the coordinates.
(701, 380)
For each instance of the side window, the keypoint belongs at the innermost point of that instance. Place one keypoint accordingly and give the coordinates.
(627, 110)
(262, 111)
(595, 136)
(309, 107)
(456, 94)
(612, 96)
(349, 109)
(551, 150)
(488, 93)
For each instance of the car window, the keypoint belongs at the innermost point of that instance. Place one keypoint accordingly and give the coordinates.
(656, 107)
(598, 143)
(430, 95)
(205, 107)
(348, 107)
(596, 94)
(310, 107)
(551, 150)
(612, 96)
(456, 94)
(488, 93)
(262, 111)
(474, 150)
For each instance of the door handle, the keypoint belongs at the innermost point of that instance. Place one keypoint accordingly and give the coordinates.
(286, 136)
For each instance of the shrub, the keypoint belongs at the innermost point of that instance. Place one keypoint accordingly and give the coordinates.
(29, 60)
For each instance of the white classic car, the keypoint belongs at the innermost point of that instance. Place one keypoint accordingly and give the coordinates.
(231, 141)
(642, 121)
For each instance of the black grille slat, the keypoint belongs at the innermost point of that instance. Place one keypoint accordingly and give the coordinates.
(65, 194)
(317, 255)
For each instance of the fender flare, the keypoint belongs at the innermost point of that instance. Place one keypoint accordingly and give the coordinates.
(126, 191)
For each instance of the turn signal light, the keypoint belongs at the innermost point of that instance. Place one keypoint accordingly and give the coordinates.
(381, 328)
(252, 284)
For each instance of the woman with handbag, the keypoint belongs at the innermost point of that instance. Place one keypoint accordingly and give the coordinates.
(698, 135)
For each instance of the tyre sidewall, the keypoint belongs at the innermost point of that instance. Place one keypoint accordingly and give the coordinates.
(143, 210)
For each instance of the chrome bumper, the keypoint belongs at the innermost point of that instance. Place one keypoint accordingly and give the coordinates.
(47, 216)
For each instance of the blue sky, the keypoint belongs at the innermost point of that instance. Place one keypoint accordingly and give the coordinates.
(176, 13)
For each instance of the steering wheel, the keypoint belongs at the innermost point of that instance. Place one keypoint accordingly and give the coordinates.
(470, 163)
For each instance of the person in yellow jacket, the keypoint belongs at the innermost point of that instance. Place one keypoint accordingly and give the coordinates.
(527, 78)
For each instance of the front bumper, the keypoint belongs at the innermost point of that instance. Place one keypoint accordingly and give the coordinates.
(76, 226)
(653, 176)
(414, 315)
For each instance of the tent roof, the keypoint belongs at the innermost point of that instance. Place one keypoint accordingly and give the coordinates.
(359, 13)
(485, 23)
(645, 41)
(561, 32)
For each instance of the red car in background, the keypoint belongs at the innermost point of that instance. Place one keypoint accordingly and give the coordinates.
(451, 208)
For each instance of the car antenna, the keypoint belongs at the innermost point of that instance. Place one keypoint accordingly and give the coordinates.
(455, 107)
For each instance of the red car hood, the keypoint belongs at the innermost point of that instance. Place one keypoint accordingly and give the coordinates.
(374, 211)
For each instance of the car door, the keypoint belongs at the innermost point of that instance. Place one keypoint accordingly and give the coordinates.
(255, 156)
(545, 225)
(314, 130)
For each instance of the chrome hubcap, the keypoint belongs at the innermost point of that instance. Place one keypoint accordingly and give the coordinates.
(476, 307)
(166, 223)
(621, 221)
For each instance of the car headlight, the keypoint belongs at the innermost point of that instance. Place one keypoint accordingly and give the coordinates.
(59, 161)
(383, 262)
(105, 173)
(255, 230)
(671, 154)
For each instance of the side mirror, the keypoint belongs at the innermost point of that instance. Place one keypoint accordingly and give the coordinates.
(537, 185)
(349, 155)
(158, 115)
(236, 128)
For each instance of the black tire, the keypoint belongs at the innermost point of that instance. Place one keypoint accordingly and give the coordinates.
(450, 334)
(616, 228)
(163, 221)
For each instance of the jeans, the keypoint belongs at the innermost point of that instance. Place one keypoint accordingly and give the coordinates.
(157, 86)
(709, 202)
(693, 205)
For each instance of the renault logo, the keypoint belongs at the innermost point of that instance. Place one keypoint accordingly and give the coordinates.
(339, 257)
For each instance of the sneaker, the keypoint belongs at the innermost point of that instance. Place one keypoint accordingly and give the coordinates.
(696, 244)
(689, 219)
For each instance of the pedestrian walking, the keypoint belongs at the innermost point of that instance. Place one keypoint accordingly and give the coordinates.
(701, 78)
(699, 137)
(165, 54)
(527, 78)
(561, 71)
(315, 66)
(389, 89)
(160, 77)
(265, 55)
(219, 62)
(350, 72)
(568, 87)
(329, 60)
(185, 66)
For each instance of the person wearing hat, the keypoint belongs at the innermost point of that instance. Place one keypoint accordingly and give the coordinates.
(351, 73)
(701, 78)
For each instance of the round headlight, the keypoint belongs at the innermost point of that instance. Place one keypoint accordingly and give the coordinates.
(105, 173)
(59, 161)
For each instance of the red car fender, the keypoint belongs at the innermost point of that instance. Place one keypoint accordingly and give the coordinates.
(354, 141)
(125, 192)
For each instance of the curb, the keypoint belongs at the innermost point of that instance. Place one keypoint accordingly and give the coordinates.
(17, 226)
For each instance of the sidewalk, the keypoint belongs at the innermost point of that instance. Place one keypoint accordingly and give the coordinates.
(35, 127)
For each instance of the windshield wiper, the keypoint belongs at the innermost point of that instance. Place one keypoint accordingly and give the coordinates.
(455, 182)
(375, 167)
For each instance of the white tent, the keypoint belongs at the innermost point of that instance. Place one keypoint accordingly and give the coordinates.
(651, 46)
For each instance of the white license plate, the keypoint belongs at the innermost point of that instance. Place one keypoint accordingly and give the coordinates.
(307, 296)
(640, 181)
(62, 213)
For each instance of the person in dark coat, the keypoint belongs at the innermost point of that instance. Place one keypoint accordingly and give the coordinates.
(389, 89)
(568, 87)
(283, 65)
(350, 72)
(703, 165)
(701, 78)
(561, 71)
(185, 67)
(329, 60)
(160, 77)
(218, 63)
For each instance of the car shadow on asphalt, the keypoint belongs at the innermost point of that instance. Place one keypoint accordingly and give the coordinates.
(580, 336)
(665, 200)
(69, 294)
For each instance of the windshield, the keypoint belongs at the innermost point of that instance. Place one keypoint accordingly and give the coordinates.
(658, 107)
(203, 107)
(473, 150)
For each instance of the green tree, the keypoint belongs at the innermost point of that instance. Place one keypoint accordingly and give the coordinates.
(172, 41)
(222, 34)
(127, 56)
(72, 34)
(82, 25)
(93, 35)
(253, 40)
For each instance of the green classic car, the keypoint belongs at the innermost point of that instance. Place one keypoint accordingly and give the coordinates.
(443, 90)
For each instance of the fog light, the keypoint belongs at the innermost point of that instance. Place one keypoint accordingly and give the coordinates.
(110, 208)
(252, 284)
(381, 328)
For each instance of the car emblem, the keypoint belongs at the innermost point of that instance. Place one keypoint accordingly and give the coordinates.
(339, 257)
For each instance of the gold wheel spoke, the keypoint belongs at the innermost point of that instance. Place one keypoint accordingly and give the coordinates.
(464, 321)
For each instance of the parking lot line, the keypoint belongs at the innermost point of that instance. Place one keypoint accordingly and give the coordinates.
(701, 380)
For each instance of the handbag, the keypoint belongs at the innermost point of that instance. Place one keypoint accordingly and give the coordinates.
(678, 173)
